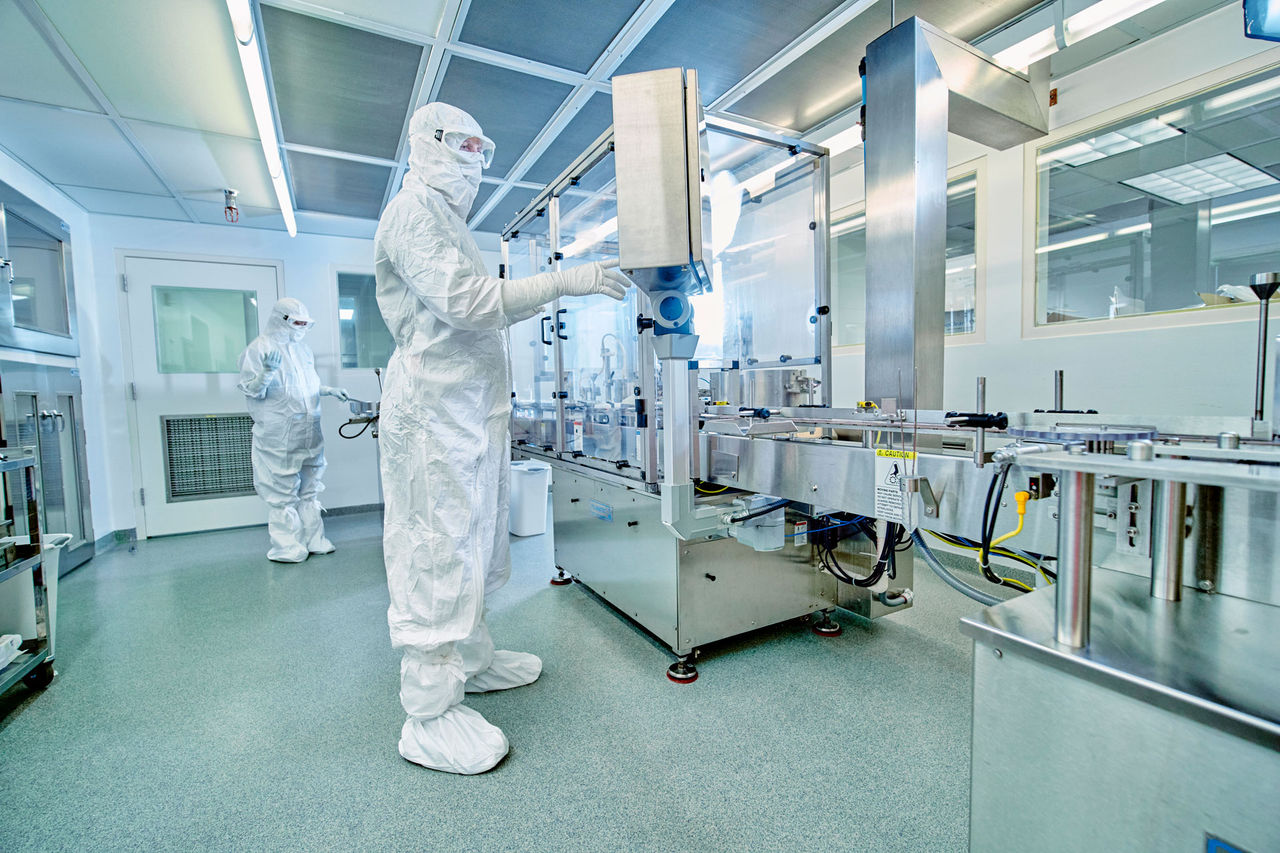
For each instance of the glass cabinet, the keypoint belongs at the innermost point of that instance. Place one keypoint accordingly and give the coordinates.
(37, 297)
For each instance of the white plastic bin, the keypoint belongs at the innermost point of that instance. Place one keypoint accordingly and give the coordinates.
(529, 484)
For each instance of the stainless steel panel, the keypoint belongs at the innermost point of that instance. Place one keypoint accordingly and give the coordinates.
(632, 566)
(1060, 763)
(338, 87)
(659, 208)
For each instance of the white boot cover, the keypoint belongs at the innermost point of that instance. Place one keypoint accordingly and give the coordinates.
(460, 740)
(284, 527)
(309, 511)
(487, 669)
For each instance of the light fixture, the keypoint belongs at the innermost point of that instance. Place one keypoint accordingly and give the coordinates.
(346, 313)
(255, 79)
(1201, 180)
(1067, 244)
(1089, 21)
(1110, 143)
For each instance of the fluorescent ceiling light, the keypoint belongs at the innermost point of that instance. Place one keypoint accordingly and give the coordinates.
(1067, 244)
(962, 187)
(1089, 21)
(255, 79)
(1110, 143)
(1245, 96)
(1218, 219)
(591, 237)
(346, 313)
(1238, 206)
(1132, 229)
(848, 225)
(1202, 180)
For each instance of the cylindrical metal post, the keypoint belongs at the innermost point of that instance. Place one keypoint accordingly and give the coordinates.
(980, 435)
(1075, 558)
(1057, 390)
(1259, 391)
(1168, 530)
(1206, 530)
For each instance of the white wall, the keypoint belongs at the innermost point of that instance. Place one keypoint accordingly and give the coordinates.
(1204, 368)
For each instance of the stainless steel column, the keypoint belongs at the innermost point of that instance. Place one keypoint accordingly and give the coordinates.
(1168, 532)
(1075, 558)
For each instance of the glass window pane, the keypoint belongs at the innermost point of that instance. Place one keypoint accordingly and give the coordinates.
(202, 329)
(1169, 210)
(366, 340)
(849, 267)
(39, 287)
(533, 373)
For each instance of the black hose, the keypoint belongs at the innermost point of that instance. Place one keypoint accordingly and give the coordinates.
(931, 559)
(759, 512)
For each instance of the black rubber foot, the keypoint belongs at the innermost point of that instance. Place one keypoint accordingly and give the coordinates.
(828, 628)
(682, 673)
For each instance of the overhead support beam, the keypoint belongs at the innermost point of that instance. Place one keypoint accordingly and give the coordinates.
(920, 84)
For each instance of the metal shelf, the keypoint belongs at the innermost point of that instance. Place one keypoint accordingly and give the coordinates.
(21, 665)
(19, 568)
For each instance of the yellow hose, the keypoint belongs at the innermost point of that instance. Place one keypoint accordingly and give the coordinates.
(1021, 498)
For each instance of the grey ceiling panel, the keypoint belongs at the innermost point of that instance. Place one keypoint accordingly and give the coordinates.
(586, 127)
(510, 106)
(726, 39)
(337, 87)
(824, 81)
(508, 206)
(125, 204)
(566, 33)
(344, 187)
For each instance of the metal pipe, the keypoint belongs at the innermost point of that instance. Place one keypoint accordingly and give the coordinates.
(1168, 530)
(980, 436)
(1206, 530)
(1075, 558)
(1057, 390)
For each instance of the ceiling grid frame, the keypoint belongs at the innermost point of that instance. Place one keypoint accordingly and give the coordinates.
(54, 39)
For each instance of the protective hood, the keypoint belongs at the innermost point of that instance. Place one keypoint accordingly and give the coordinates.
(280, 325)
(436, 161)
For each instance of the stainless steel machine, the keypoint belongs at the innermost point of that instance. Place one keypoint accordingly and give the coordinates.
(1128, 696)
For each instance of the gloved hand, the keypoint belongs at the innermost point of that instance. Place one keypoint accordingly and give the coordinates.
(523, 296)
(271, 360)
(340, 393)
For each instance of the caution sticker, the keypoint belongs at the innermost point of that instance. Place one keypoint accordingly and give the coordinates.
(891, 468)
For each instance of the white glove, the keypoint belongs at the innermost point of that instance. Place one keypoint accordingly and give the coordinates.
(340, 393)
(523, 296)
(271, 360)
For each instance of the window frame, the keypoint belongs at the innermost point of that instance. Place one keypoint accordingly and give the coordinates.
(1131, 109)
(978, 168)
(335, 303)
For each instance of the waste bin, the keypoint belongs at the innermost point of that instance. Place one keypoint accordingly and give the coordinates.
(529, 483)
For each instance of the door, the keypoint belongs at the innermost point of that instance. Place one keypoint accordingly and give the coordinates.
(188, 322)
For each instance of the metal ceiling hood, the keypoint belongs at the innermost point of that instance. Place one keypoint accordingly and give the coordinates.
(920, 83)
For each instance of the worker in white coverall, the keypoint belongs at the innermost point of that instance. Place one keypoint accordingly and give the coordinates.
(445, 439)
(279, 381)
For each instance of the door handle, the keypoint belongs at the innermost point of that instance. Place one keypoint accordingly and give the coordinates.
(546, 330)
(560, 324)
(62, 420)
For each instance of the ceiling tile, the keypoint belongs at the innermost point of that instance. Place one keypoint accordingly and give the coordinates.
(338, 87)
(201, 165)
(125, 204)
(566, 33)
(585, 128)
(482, 195)
(726, 39)
(182, 67)
(70, 148)
(508, 206)
(342, 187)
(510, 106)
(790, 99)
(417, 16)
(32, 71)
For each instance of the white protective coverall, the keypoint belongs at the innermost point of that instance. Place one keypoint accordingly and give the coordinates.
(445, 443)
(279, 381)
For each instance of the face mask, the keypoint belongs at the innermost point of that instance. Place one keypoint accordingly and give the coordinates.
(297, 333)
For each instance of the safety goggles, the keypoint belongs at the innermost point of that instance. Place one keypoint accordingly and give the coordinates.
(460, 140)
(298, 322)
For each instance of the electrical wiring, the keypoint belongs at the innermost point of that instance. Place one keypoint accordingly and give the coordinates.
(764, 510)
(703, 490)
(825, 529)
(1020, 556)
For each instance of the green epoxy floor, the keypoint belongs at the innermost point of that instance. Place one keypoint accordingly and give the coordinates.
(208, 699)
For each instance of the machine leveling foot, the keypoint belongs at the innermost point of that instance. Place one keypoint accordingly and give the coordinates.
(561, 579)
(827, 627)
(683, 671)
